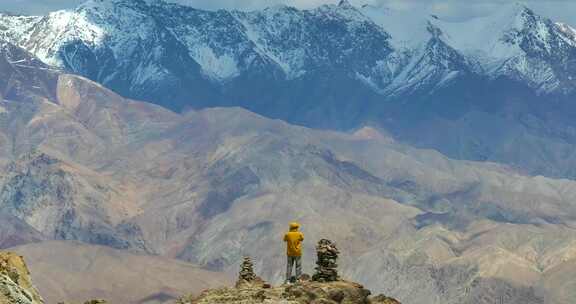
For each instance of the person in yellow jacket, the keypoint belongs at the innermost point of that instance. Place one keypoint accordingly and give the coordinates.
(294, 239)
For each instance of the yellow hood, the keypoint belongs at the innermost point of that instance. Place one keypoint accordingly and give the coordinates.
(294, 226)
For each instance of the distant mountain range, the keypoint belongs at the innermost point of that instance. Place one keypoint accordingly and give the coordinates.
(80, 163)
(497, 88)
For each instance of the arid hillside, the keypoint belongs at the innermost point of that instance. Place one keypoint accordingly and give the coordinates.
(76, 272)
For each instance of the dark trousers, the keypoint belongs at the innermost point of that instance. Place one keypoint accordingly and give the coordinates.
(291, 262)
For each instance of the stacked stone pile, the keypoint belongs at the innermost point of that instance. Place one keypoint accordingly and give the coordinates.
(326, 267)
(247, 271)
(247, 277)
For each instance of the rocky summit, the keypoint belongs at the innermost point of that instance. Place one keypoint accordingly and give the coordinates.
(324, 288)
(299, 293)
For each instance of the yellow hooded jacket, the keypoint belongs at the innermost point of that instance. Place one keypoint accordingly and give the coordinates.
(293, 240)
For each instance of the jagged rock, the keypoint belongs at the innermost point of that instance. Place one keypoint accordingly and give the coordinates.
(15, 283)
(326, 269)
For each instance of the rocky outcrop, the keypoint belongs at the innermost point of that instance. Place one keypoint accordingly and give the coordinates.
(16, 288)
(15, 283)
(325, 288)
(300, 293)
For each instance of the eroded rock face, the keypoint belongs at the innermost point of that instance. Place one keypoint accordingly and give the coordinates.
(61, 200)
(15, 283)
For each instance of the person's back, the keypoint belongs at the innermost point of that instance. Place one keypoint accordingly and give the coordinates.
(294, 239)
(294, 243)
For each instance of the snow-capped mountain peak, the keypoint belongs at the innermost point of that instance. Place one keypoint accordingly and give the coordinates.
(124, 44)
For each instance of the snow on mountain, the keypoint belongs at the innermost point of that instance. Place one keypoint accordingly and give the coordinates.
(568, 30)
(514, 42)
(379, 45)
(15, 28)
(218, 41)
(483, 36)
(224, 44)
(408, 28)
(100, 37)
(431, 65)
(329, 37)
(335, 66)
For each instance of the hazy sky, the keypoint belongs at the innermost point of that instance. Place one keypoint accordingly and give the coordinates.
(560, 10)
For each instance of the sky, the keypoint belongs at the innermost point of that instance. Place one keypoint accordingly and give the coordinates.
(559, 10)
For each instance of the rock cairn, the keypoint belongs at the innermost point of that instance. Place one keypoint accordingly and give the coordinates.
(247, 277)
(326, 267)
(247, 271)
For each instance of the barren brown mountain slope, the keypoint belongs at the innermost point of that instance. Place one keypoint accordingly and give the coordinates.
(211, 186)
(74, 272)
